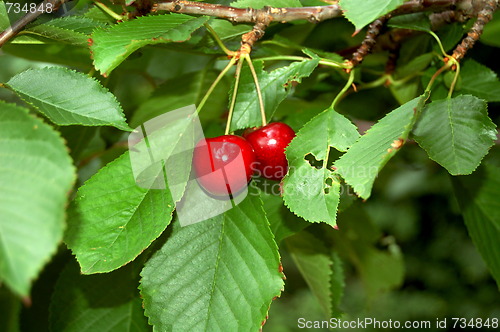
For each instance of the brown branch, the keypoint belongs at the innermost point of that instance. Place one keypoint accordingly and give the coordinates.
(452, 11)
(249, 38)
(370, 40)
(267, 15)
(251, 15)
(312, 14)
(28, 18)
(483, 17)
(392, 39)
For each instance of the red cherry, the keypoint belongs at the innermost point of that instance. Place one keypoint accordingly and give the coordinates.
(223, 165)
(269, 143)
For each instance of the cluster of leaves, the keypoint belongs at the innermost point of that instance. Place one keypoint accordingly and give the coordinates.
(63, 130)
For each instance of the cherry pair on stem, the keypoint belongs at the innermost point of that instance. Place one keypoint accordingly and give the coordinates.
(225, 164)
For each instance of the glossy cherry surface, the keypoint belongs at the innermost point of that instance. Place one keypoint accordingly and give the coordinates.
(269, 143)
(223, 164)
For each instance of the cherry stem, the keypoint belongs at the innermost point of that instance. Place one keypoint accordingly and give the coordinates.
(109, 11)
(439, 43)
(455, 79)
(344, 89)
(218, 40)
(214, 84)
(436, 74)
(259, 93)
(233, 98)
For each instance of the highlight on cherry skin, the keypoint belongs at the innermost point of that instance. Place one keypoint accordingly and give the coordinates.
(223, 164)
(269, 143)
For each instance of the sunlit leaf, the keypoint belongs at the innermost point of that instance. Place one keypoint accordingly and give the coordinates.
(67, 97)
(112, 46)
(363, 12)
(313, 191)
(362, 162)
(217, 275)
(36, 174)
(457, 133)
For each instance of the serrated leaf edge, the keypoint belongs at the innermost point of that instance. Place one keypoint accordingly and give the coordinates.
(100, 87)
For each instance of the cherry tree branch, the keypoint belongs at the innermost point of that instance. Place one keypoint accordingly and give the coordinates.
(251, 15)
(311, 14)
(483, 17)
(28, 18)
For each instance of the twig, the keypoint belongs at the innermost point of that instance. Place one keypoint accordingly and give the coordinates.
(483, 17)
(370, 40)
(28, 18)
(312, 14)
(249, 38)
(251, 15)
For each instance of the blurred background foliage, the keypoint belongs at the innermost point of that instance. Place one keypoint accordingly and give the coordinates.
(428, 267)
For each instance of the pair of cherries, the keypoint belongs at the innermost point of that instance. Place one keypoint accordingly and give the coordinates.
(225, 164)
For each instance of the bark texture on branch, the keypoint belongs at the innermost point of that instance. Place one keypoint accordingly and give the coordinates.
(251, 15)
(483, 17)
(312, 14)
(28, 18)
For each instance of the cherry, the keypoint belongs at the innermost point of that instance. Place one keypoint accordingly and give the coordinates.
(269, 143)
(223, 164)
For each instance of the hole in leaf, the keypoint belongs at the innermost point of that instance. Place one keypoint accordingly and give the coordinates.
(333, 155)
(328, 185)
(329, 182)
(313, 161)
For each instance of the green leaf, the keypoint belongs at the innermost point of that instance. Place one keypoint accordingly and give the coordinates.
(480, 81)
(258, 4)
(283, 223)
(415, 65)
(406, 91)
(97, 14)
(275, 87)
(72, 29)
(359, 240)
(310, 191)
(492, 31)
(181, 91)
(478, 195)
(67, 97)
(227, 32)
(363, 12)
(36, 174)
(450, 35)
(112, 46)
(321, 269)
(337, 285)
(417, 21)
(456, 133)
(217, 275)
(4, 17)
(112, 219)
(78, 138)
(56, 53)
(128, 203)
(105, 302)
(362, 162)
